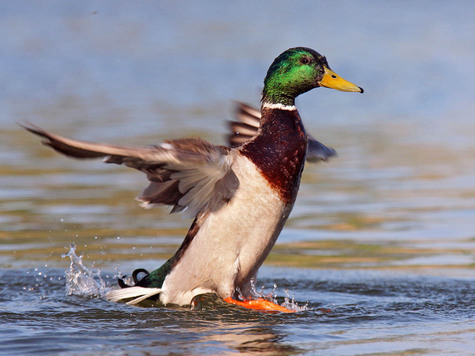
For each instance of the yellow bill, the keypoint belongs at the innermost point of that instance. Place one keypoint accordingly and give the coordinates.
(334, 81)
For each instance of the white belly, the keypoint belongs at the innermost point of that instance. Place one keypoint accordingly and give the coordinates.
(232, 242)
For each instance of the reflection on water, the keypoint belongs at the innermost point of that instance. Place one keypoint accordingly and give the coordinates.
(383, 235)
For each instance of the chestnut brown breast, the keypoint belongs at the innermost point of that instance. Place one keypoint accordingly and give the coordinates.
(279, 150)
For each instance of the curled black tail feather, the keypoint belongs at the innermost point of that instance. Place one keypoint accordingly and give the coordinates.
(137, 281)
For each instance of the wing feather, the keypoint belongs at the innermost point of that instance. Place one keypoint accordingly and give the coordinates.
(183, 173)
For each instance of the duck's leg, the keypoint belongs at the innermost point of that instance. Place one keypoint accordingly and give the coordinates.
(259, 304)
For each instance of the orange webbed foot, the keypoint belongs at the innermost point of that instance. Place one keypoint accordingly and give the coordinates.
(259, 304)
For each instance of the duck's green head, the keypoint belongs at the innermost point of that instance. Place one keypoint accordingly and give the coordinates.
(298, 70)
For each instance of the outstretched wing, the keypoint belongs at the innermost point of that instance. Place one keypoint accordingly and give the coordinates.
(247, 125)
(189, 174)
(317, 151)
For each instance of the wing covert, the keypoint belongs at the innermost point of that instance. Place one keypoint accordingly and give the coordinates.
(183, 173)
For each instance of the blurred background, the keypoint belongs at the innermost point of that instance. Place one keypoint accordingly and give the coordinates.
(123, 73)
(398, 199)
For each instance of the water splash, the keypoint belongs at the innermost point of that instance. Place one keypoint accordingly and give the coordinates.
(289, 301)
(85, 282)
(82, 281)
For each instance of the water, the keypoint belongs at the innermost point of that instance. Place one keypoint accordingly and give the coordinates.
(370, 312)
(380, 245)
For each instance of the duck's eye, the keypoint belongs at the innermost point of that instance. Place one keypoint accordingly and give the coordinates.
(305, 60)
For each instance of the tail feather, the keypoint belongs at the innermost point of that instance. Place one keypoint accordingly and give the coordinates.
(139, 293)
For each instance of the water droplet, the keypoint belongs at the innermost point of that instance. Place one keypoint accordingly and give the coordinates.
(82, 281)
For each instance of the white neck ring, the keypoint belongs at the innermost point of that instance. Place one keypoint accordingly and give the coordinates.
(279, 106)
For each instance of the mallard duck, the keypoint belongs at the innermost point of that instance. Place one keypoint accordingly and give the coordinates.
(239, 195)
